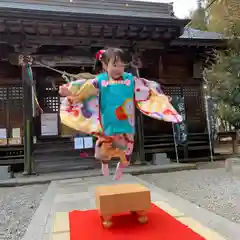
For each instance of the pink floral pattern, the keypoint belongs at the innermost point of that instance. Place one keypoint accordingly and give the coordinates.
(93, 105)
(142, 92)
(129, 107)
(127, 82)
(129, 148)
(104, 83)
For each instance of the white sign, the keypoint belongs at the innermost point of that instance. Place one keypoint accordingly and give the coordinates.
(49, 124)
(78, 143)
(15, 141)
(88, 142)
(16, 132)
(3, 133)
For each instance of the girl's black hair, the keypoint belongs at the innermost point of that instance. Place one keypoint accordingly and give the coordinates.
(114, 54)
(98, 67)
(110, 53)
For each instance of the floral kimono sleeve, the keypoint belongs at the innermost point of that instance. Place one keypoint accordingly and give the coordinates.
(80, 110)
(86, 90)
(71, 88)
(152, 102)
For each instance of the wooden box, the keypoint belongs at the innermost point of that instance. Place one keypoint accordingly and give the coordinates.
(122, 198)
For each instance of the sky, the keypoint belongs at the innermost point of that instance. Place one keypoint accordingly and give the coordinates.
(181, 7)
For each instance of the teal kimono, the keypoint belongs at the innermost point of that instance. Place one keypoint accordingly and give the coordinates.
(116, 104)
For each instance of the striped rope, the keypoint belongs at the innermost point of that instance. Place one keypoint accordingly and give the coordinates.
(30, 75)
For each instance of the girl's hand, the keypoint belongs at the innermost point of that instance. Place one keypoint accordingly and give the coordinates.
(64, 92)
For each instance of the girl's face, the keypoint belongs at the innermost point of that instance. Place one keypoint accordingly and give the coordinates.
(115, 69)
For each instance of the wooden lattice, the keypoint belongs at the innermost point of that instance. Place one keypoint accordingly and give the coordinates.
(194, 106)
(15, 106)
(51, 100)
(3, 108)
(194, 109)
(170, 91)
(51, 104)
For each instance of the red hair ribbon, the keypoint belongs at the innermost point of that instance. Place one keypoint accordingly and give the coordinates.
(99, 54)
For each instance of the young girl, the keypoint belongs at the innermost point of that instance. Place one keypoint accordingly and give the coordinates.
(105, 106)
(104, 143)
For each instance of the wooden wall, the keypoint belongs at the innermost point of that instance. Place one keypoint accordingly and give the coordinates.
(174, 72)
(11, 104)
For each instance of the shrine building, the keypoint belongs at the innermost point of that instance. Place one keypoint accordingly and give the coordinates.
(65, 35)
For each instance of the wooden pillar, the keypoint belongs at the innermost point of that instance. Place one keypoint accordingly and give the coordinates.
(25, 63)
(140, 137)
(139, 153)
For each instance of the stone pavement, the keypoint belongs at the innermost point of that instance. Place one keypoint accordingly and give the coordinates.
(51, 218)
(134, 170)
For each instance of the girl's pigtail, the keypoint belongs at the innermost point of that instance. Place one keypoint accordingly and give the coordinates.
(98, 67)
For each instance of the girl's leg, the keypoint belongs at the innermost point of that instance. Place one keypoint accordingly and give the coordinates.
(120, 166)
(104, 164)
(105, 169)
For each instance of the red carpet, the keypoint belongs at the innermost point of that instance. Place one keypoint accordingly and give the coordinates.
(86, 225)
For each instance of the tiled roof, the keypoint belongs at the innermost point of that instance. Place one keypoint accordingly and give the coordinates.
(191, 33)
(104, 7)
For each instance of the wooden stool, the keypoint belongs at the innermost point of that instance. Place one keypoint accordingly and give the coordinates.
(116, 199)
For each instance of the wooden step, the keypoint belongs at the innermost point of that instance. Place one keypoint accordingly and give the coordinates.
(56, 151)
(64, 163)
(61, 145)
(47, 159)
(62, 168)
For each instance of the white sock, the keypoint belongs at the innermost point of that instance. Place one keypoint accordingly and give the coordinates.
(105, 169)
(119, 171)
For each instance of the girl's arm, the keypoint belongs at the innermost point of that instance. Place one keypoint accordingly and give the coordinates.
(87, 89)
(71, 88)
(152, 102)
(144, 86)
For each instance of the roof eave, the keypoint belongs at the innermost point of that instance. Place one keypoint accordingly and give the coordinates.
(14, 13)
(215, 43)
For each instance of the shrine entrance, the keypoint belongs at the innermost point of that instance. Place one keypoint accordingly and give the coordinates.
(54, 139)
(48, 124)
(159, 135)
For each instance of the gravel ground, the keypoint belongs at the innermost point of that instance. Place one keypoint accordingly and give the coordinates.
(17, 206)
(212, 189)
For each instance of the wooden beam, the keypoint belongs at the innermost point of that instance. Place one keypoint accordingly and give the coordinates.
(28, 40)
(145, 33)
(89, 33)
(7, 30)
(114, 32)
(54, 60)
